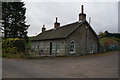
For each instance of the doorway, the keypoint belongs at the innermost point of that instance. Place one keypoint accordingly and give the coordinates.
(50, 48)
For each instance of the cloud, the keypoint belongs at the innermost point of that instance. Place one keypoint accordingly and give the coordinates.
(104, 15)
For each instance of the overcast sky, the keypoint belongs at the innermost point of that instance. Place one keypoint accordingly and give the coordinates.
(104, 15)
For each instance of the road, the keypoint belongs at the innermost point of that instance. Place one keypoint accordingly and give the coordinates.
(88, 66)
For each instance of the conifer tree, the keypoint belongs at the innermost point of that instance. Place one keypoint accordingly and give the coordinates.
(13, 20)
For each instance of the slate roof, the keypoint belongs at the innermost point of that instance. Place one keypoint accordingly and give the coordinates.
(58, 33)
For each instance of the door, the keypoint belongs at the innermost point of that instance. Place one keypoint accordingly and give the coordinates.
(50, 48)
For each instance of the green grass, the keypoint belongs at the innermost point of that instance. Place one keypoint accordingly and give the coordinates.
(0, 54)
(8, 55)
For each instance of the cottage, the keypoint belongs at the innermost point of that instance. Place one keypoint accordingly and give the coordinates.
(77, 38)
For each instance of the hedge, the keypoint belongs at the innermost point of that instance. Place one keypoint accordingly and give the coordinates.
(13, 45)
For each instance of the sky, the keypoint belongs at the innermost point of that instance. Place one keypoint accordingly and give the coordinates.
(104, 15)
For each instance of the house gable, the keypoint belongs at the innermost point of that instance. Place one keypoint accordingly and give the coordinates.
(84, 36)
(87, 25)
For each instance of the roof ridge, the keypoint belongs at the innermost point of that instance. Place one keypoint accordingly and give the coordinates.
(59, 27)
(69, 24)
(62, 26)
(64, 30)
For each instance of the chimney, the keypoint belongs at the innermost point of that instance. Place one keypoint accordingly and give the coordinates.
(82, 16)
(56, 24)
(43, 28)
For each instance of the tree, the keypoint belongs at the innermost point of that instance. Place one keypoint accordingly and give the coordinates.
(13, 20)
(108, 42)
(106, 32)
(102, 34)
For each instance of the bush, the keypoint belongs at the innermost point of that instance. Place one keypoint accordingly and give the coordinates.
(109, 44)
(13, 45)
(13, 50)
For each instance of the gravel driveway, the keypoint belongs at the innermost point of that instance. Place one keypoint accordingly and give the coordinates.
(88, 66)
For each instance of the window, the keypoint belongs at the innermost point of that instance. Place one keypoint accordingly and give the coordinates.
(38, 46)
(62, 42)
(91, 47)
(72, 47)
(32, 46)
(45, 46)
(58, 47)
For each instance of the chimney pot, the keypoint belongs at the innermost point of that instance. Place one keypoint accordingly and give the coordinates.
(56, 19)
(82, 9)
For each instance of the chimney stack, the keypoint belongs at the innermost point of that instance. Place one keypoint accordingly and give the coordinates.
(82, 16)
(56, 24)
(43, 28)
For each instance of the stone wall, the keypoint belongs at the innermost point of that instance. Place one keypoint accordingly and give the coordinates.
(83, 38)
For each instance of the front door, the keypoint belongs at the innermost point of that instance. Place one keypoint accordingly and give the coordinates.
(50, 48)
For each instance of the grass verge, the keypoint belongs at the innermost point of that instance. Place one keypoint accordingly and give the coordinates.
(32, 56)
(8, 55)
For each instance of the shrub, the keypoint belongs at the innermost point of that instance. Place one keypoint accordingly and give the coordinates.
(13, 45)
(109, 44)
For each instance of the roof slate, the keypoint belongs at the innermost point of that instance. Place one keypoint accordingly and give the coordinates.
(58, 33)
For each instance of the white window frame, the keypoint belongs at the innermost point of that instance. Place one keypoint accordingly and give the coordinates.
(72, 52)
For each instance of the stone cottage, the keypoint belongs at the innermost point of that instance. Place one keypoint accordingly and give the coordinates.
(77, 38)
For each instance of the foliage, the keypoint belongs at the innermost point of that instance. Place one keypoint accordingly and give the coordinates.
(0, 54)
(13, 45)
(29, 42)
(102, 34)
(12, 50)
(13, 20)
(108, 34)
(116, 39)
(109, 43)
